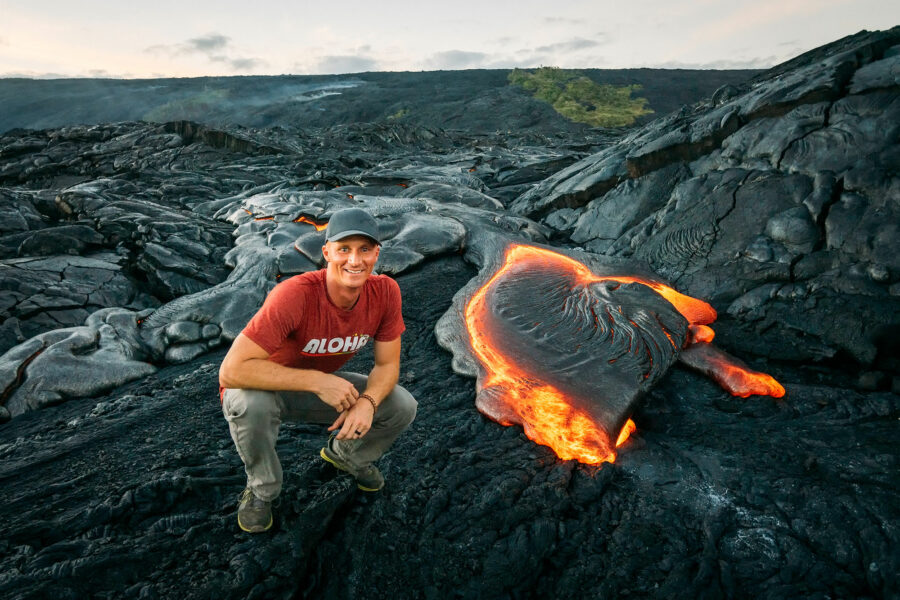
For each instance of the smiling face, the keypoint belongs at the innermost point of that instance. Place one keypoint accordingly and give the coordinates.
(350, 262)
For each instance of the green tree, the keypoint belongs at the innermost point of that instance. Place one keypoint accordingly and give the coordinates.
(578, 98)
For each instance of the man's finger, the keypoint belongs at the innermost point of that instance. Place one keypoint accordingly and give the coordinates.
(338, 422)
(348, 430)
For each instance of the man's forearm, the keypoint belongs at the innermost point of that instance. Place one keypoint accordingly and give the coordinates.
(382, 379)
(263, 374)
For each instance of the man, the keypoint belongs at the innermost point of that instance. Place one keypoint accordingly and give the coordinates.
(284, 364)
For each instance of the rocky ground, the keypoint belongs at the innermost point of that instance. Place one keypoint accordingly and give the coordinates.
(132, 253)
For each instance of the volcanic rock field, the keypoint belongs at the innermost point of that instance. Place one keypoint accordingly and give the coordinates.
(132, 253)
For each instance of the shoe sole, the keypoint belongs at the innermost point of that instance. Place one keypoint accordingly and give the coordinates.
(256, 529)
(337, 465)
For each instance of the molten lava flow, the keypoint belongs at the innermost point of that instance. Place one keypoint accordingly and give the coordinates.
(627, 430)
(311, 222)
(743, 382)
(544, 411)
(701, 333)
(729, 372)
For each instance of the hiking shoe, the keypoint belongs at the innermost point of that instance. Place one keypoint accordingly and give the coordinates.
(254, 515)
(368, 478)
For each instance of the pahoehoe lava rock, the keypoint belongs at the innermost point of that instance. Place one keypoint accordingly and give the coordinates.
(559, 350)
(566, 344)
(776, 201)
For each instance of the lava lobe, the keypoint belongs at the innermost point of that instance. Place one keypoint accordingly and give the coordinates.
(567, 353)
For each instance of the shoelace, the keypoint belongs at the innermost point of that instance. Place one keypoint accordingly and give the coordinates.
(254, 501)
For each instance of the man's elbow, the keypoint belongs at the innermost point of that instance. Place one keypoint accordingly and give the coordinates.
(228, 378)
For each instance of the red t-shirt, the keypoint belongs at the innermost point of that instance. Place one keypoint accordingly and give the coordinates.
(299, 326)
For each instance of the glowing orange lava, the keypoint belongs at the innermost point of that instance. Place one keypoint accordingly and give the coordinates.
(546, 415)
(311, 222)
(701, 333)
(627, 430)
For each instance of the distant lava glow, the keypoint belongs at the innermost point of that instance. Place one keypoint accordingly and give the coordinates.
(319, 227)
(546, 415)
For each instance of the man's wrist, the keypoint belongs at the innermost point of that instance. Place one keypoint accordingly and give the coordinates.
(370, 399)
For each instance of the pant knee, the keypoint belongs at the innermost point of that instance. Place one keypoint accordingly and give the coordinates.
(251, 408)
(403, 407)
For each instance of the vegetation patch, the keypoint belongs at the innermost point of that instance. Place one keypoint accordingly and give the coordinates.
(578, 98)
(399, 114)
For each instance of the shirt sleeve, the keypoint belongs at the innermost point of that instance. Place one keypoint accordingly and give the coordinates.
(277, 318)
(391, 325)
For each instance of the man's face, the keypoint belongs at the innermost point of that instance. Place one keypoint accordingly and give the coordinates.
(350, 260)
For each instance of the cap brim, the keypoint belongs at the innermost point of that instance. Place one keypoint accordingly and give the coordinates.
(352, 232)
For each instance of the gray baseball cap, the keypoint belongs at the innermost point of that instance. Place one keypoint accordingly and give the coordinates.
(351, 221)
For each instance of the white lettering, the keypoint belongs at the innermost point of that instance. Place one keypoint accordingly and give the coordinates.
(322, 346)
(349, 342)
(362, 342)
(335, 344)
(312, 346)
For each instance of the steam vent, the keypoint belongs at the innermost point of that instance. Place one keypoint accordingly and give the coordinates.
(720, 285)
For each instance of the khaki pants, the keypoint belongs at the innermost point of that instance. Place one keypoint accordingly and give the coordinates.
(254, 417)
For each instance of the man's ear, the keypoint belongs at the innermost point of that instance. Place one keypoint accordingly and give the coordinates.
(325, 252)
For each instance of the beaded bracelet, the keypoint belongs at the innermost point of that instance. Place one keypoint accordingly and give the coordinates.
(372, 400)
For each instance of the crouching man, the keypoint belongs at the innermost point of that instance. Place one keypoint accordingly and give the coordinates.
(284, 365)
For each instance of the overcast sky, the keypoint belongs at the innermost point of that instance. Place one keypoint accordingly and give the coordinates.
(93, 38)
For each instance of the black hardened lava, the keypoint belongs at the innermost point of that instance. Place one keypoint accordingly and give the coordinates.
(132, 253)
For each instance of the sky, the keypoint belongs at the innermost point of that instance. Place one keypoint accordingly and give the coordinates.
(189, 38)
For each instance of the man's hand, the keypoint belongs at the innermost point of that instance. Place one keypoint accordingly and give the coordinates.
(355, 422)
(337, 392)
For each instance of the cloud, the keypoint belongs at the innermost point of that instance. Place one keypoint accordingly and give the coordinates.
(214, 46)
(578, 52)
(561, 20)
(33, 75)
(207, 43)
(90, 74)
(456, 59)
(573, 45)
(344, 63)
(246, 64)
(750, 63)
(239, 64)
